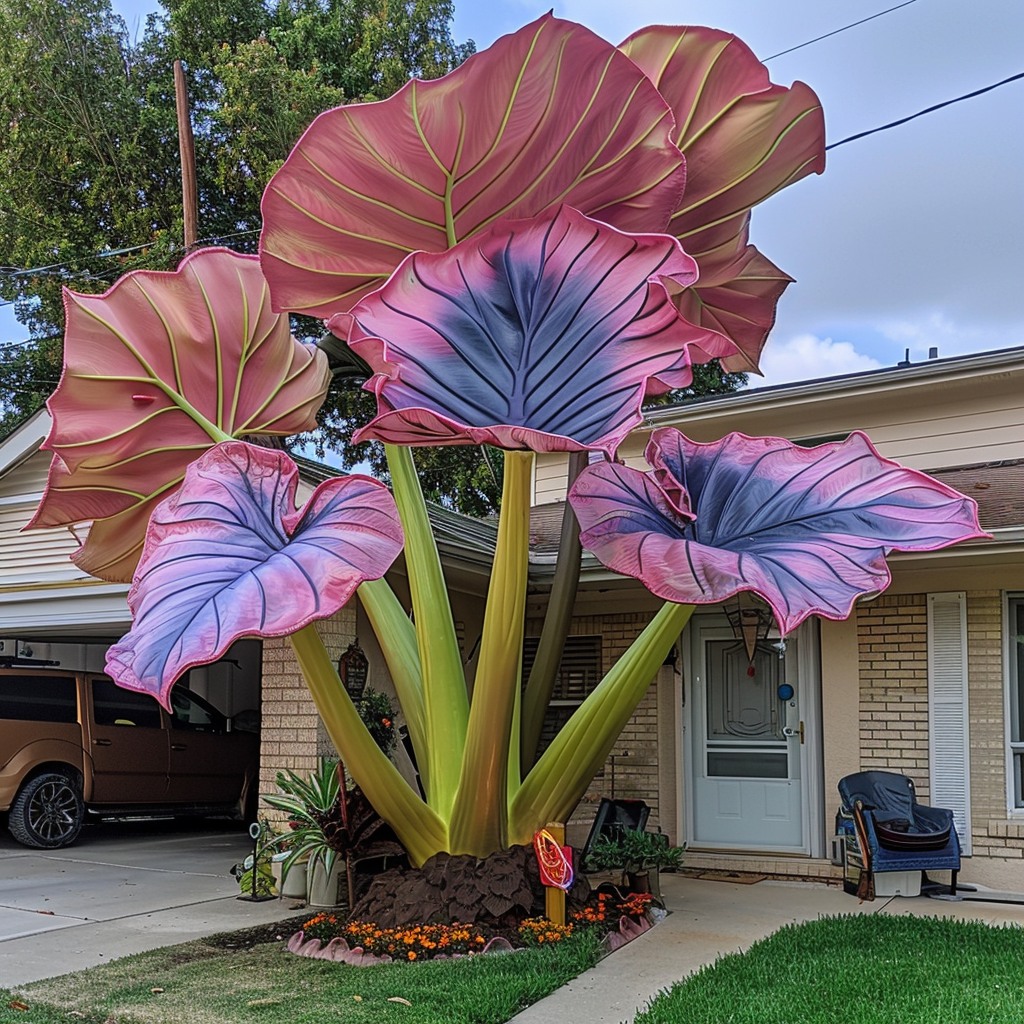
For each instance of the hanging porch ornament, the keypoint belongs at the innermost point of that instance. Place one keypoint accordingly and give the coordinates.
(751, 622)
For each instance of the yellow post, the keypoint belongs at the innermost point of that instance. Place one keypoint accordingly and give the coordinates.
(554, 898)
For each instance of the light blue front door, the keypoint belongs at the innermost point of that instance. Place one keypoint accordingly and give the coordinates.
(746, 735)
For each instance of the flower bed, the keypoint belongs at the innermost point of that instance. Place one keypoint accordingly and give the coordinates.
(617, 918)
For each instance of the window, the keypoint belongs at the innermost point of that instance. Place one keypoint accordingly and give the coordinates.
(1015, 623)
(113, 705)
(189, 711)
(32, 698)
(578, 673)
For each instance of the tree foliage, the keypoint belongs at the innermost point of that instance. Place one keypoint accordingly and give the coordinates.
(92, 182)
(90, 171)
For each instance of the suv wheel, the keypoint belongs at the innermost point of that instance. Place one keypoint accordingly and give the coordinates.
(47, 812)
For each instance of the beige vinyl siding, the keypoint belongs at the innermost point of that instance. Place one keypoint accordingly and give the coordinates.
(42, 556)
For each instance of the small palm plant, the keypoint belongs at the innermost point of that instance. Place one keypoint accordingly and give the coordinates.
(328, 821)
(311, 804)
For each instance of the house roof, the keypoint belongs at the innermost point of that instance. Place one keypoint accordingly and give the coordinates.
(997, 487)
(472, 538)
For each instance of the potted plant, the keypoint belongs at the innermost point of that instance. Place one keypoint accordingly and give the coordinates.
(330, 829)
(638, 855)
(310, 803)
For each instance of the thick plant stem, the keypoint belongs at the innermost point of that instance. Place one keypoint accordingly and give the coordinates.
(560, 778)
(419, 829)
(397, 639)
(445, 701)
(480, 816)
(557, 620)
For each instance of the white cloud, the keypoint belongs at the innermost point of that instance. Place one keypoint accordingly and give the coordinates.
(939, 330)
(807, 357)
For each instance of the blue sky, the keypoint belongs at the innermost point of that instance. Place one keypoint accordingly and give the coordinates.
(912, 237)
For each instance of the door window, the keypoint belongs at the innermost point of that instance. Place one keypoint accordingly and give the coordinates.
(745, 716)
(113, 705)
(189, 711)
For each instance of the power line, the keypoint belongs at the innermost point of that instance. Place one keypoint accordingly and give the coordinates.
(927, 110)
(836, 31)
(52, 268)
(126, 250)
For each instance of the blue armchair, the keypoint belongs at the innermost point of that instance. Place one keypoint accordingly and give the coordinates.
(893, 831)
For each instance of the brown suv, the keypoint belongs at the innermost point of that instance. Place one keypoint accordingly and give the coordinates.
(73, 743)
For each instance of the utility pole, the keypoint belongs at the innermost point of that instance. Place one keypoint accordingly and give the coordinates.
(187, 152)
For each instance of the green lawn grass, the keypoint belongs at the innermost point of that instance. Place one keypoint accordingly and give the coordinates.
(865, 969)
(201, 983)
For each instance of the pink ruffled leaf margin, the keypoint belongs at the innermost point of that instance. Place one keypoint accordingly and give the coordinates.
(550, 114)
(744, 139)
(230, 556)
(543, 334)
(807, 529)
(156, 370)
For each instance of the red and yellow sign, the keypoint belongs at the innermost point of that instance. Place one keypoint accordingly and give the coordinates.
(554, 861)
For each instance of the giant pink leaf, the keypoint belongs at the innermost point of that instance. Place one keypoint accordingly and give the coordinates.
(551, 114)
(736, 298)
(156, 370)
(805, 528)
(743, 139)
(542, 334)
(229, 556)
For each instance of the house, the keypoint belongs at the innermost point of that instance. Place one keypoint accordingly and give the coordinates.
(926, 679)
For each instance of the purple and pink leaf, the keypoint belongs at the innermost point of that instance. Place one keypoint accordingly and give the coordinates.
(805, 528)
(543, 334)
(229, 556)
(551, 114)
(156, 370)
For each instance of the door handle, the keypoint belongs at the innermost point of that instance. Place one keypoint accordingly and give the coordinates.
(102, 743)
(178, 746)
(787, 731)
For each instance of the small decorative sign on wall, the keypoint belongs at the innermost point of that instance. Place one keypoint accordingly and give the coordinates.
(353, 668)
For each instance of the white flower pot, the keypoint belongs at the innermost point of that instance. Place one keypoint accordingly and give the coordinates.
(322, 887)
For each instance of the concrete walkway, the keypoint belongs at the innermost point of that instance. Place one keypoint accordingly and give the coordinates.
(128, 887)
(123, 888)
(710, 919)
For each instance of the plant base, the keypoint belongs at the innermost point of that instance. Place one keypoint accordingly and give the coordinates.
(323, 886)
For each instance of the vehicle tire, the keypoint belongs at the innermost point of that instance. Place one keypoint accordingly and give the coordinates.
(48, 811)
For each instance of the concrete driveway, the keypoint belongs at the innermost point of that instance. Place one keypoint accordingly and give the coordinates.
(122, 888)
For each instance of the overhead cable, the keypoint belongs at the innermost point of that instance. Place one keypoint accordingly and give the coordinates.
(836, 31)
(927, 110)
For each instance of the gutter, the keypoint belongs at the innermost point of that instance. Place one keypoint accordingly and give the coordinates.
(1003, 361)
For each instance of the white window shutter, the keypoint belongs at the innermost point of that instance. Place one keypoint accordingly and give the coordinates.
(948, 727)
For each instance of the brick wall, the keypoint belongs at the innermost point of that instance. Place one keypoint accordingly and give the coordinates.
(893, 652)
(894, 716)
(631, 771)
(994, 836)
(292, 734)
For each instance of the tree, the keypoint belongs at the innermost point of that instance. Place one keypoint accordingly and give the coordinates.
(81, 170)
(92, 184)
(92, 164)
